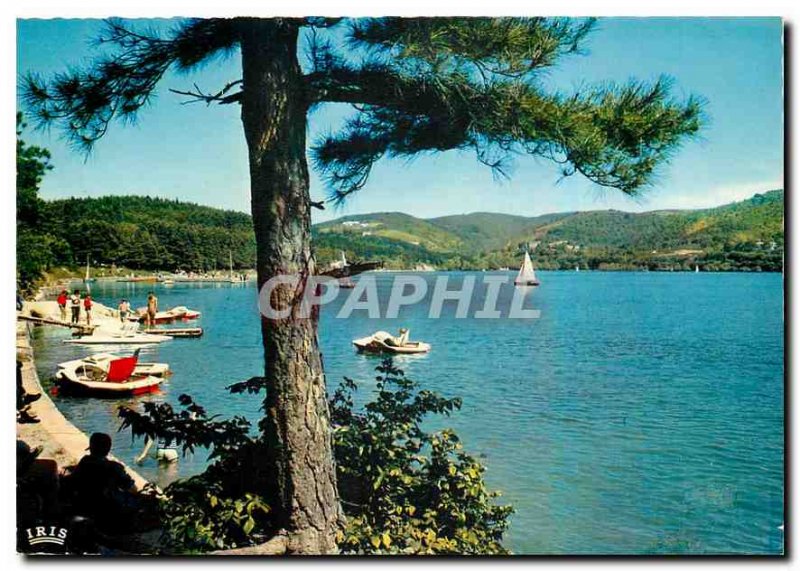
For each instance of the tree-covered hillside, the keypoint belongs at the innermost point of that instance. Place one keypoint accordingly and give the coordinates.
(145, 233)
(394, 226)
(746, 235)
(148, 233)
(487, 231)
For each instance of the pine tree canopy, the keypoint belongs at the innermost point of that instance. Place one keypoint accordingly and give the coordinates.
(417, 85)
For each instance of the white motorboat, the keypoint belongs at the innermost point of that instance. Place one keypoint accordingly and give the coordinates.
(117, 380)
(181, 312)
(103, 361)
(127, 334)
(178, 313)
(383, 342)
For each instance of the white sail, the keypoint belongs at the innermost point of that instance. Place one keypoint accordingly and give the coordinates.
(86, 278)
(526, 274)
(344, 260)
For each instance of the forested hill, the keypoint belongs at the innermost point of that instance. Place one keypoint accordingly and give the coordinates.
(148, 233)
(159, 234)
(745, 235)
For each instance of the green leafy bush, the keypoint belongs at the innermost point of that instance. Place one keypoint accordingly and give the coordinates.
(198, 516)
(404, 490)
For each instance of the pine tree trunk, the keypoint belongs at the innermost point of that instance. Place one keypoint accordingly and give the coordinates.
(296, 426)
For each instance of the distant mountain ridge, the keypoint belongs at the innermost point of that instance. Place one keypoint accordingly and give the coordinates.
(487, 239)
(159, 234)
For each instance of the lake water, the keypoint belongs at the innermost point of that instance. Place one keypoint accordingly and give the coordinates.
(641, 413)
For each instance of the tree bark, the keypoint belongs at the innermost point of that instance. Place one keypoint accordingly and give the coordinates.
(296, 425)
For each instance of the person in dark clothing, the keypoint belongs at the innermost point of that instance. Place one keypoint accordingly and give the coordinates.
(75, 306)
(101, 488)
(24, 400)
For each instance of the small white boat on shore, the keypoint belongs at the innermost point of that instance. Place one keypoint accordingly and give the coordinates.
(383, 342)
(128, 334)
(117, 380)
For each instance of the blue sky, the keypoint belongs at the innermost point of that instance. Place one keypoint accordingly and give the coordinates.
(196, 153)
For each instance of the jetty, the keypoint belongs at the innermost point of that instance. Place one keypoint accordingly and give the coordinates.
(176, 331)
(82, 328)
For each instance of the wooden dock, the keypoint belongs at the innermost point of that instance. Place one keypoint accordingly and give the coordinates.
(177, 332)
(81, 328)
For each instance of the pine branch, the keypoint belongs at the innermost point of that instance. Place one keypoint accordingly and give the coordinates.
(614, 135)
(222, 97)
(83, 102)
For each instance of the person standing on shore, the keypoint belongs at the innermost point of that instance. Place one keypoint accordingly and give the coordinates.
(75, 306)
(124, 310)
(87, 306)
(152, 309)
(62, 304)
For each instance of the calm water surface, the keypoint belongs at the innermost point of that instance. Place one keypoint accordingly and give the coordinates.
(643, 412)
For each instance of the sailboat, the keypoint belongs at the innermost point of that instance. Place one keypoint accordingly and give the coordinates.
(346, 282)
(86, 278)
(526, 275)
(696, 269)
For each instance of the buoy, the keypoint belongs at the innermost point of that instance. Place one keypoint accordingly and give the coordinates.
(167, 455)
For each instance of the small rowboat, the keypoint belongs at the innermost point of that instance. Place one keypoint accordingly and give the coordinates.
(117, 381)
(103, 361)
(383, 342)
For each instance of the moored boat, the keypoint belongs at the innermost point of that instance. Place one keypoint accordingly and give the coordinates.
(138, 279)
(183, 312)
(125, 335)
(171, 315)
(103, 361)
(117, 380)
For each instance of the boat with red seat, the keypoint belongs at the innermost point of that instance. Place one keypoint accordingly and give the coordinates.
(117, 380)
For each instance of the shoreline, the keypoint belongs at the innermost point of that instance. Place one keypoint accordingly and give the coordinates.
(62, 441)
(49, 288)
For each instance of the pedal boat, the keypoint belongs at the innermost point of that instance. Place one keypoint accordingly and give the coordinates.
(126, 335)
(118, 380)
(383, 342)
(103, 361)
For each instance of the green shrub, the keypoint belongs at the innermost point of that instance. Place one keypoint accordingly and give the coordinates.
(403, 490)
